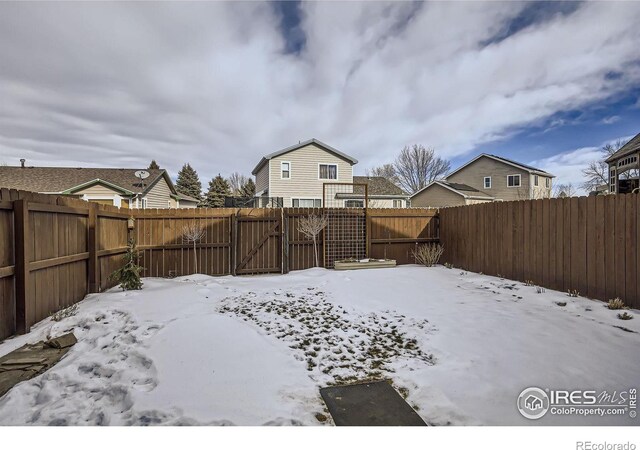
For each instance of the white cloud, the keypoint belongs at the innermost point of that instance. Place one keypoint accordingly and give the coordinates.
(568, 166)
(120, 83)
(610, 120)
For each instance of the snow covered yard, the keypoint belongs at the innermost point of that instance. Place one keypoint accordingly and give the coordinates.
(255, 350)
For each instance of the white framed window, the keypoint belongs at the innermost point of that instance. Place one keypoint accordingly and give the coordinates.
(612, 180)
(536, 180)
(397, 203)
(487, 182)
(327, 171)
(306, 202)
(513, 180)
(144, 203)
(547, 182)
(354, 203)
(285, 170)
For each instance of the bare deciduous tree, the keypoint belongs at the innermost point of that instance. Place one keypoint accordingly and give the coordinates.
(193, 232)
(417, 166)
(564, 190)
(597, 172)
(386, 170)
(236, 182)
(311, 226)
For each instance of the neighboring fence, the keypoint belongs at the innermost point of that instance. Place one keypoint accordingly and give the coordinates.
(49, 255)
(587, 244)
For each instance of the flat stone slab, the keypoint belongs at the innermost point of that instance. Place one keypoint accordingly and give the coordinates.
(31, 360)
(369, 404)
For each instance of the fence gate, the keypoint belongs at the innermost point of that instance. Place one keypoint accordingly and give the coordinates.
(345, 208)
(258, 243)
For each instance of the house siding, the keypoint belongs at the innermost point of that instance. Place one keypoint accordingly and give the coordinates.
(159, 195)
(97, 190)
(262, 178)
(473, 175)
(304, 182)
(437, 196)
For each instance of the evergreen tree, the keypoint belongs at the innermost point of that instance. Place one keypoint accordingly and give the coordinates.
(248, 189)
(153, 165)
(188, 182)
(129, 274)
(218, 189)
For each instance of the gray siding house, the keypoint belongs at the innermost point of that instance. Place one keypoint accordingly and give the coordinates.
(486, 178)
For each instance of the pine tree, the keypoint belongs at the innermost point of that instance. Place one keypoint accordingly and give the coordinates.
(218, 189)
(248, 189)
(188, 182)
(129, 274)
(153, 165)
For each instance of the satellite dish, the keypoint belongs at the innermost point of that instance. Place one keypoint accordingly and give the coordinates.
(142, 174)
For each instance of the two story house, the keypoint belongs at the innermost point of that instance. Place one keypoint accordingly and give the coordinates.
(486, 178)
(295, 177)
(117, 187)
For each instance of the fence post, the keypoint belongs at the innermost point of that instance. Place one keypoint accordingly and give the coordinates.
(284, 227)
(367, 224)
(94, 268)
(21, 227)
(234, 241)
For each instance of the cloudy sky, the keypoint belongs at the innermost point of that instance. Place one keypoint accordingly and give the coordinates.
(219, 84)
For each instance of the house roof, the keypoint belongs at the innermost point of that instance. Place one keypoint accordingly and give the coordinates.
(458, 188)
(379, 186)
(69, 179)
(510, 162)
(320, 144)
(188, 198)
(630, 147)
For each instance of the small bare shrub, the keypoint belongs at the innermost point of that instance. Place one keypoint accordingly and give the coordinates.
(625, 316)
(311, 226)
(193, 232)
(539, 290)
(529, 283)
(64, 313)
(573, 293)
(616, 303)
(448, 265)
(428, 254)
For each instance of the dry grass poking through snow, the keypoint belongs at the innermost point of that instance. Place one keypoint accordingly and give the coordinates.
(337, 345)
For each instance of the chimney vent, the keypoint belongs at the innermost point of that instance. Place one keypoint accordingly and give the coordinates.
(22, 161)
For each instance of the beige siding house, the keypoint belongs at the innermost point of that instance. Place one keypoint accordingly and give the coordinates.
(296, 174)
(487, 178)
(439, 194)
(117, 187)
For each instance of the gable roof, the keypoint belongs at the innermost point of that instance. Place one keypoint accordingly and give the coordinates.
(379, 186)
(320, 144)
(510, 162)
(630, 147)
(458, 188)
(69, 179)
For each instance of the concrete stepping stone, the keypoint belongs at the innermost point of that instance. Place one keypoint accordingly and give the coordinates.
(369, 404)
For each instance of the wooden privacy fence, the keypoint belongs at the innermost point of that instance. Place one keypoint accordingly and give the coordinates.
(587, 244)
(54, 251)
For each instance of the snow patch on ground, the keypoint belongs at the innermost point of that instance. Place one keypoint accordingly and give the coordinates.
(255, 350)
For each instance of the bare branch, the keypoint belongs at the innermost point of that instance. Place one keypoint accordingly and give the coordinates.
(311, 226)
(417, 166)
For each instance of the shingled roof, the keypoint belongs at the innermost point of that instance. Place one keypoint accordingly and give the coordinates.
(379, 186)
(630, 147)
(62, 179)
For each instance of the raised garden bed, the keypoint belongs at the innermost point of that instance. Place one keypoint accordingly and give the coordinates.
(368, 263)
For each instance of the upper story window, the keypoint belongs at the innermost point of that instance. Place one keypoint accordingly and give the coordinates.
(513, 180)
(547, 182)
(397, 203)
(487, 182)
(285, 170)
(536, 180)
(144, 203)
(328, 171)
